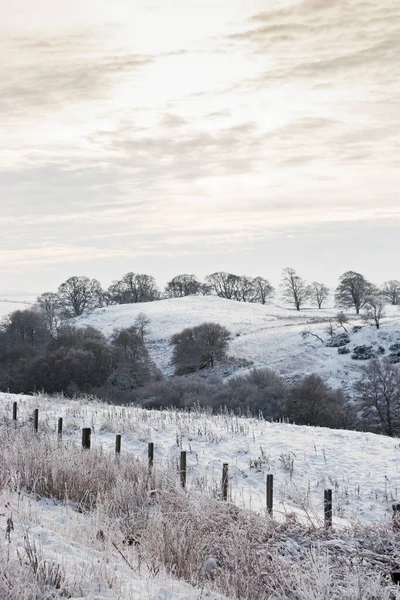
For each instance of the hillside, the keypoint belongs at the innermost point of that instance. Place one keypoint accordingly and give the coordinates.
(363, 468)
(269, 335)
(62, 535)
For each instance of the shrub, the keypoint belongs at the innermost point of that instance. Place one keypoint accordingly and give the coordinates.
(338, 340)
(200, 347)
(313, 402)
(363, 353)
(343, 350)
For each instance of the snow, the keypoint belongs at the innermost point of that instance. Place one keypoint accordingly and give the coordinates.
(268, 335)
(9, 302)
(362, 469)
(94, 572)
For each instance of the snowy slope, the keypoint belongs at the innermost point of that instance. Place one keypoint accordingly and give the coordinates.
(268, 335)
(363, 469)
(93, 571)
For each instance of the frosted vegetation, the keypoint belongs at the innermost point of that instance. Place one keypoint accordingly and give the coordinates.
(86, 524)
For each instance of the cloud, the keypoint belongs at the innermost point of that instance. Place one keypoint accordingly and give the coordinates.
(286, 123)
(48, 73)
(318, 39)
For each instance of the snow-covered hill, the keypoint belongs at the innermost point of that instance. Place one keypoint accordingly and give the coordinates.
(268, 335)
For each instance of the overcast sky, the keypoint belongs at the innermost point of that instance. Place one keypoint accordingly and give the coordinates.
(171, 136)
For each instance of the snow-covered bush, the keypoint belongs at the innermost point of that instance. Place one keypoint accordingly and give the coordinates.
(343, 350)
(338, 340)
(363, 353)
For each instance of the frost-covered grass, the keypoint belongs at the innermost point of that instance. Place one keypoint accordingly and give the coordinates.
(95, 526)
(362, 469)
(86, 524)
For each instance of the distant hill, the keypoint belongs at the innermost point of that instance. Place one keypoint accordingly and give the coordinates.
(268, 335)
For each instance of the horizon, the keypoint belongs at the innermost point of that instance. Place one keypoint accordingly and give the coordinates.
(198, 137)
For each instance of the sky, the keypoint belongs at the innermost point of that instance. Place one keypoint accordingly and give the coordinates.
(173, 136)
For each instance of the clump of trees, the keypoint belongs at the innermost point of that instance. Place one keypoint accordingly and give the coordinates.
(309, 401)
(132, 288)
(313, 402)
(184, 285)
(201, 347)
(240, 287)
(378, 397)
(37, 355)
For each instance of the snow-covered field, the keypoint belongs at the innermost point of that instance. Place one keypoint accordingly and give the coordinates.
(362, 469)
(11, 301)
(268, 335)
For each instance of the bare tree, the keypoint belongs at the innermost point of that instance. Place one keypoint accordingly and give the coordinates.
(294, 289)
(240, 287)
(244, 290)
(313, 402)
(200, 347)
(390, 291)
(330, 330)
(319, 293)
(378, 397)
(307, 332)
(223, 284)
(79, 295)
(50, 305)
(183, 285)
(353, 290)
(141, 324)
(374, 310)
(264, 290)
(342, 320)
(133, 288)
(25, 327)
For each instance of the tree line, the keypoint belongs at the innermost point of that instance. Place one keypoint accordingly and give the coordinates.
(80, 295)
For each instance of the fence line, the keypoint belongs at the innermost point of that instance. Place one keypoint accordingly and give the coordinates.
(86, 444)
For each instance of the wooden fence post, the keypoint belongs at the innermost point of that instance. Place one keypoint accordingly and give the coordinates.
(328, 508)
(396, 515)
(270, 493)
(150, 454)
(15, 410)
(118, 444)
(36, 420)
(183, 468)
(225, 467)
(86, 435)
(60, 428)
